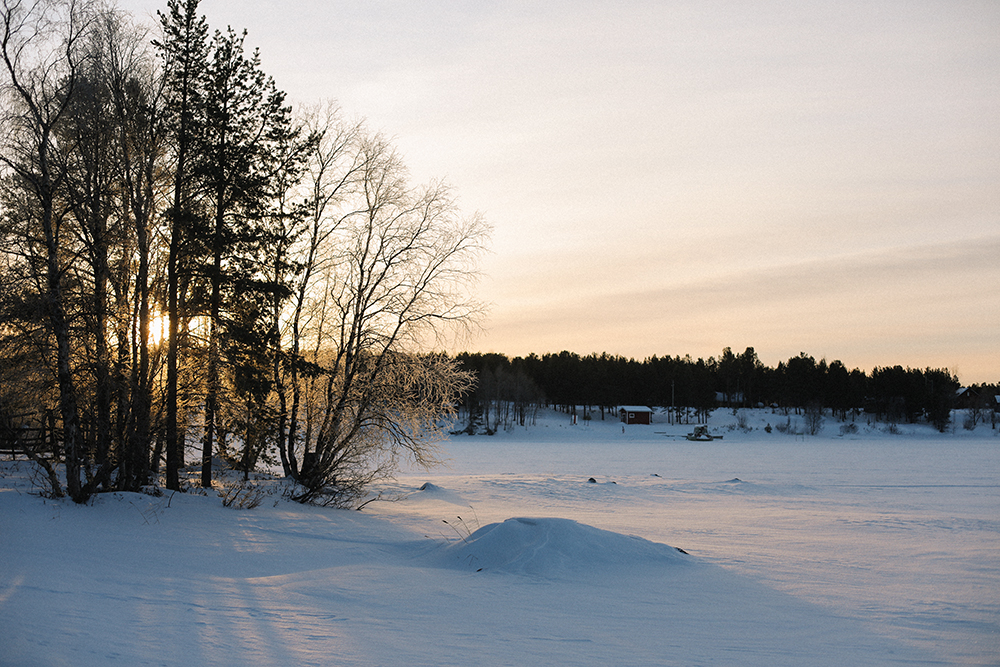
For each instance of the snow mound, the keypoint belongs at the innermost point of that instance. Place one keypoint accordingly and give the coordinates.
(432, 492)
(551, 547)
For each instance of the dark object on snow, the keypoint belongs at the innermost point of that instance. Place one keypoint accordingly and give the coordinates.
(682, 551)
(591, 481)
(701, 434)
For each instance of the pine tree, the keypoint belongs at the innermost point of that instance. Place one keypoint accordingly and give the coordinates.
(241, 158)
(184, 50)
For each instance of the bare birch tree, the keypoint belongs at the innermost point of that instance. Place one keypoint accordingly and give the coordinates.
(136, 106)
(83, 150)
(332, 176)
(401, 272)
(40, 45)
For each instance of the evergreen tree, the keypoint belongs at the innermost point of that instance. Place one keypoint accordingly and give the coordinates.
(184, 51)
(243, 155)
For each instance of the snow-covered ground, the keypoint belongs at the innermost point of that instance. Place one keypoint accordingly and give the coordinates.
(860, 549)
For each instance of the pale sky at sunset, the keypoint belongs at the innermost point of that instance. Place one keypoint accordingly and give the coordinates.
(675, 177)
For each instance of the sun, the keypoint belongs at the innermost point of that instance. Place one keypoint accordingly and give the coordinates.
(159, 329)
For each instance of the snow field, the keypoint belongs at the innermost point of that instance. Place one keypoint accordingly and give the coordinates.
(875, 550)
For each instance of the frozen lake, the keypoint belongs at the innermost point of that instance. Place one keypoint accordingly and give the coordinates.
(869, 549)
(901, 532)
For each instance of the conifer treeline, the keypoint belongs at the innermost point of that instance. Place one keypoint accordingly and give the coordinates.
(603, 381)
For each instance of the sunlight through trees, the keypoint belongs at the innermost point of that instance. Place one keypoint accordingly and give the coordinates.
(190, 264)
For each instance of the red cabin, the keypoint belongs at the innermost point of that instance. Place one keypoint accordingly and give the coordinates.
(635, 414)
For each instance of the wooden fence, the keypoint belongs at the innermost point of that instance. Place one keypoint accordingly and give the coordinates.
(35, 432)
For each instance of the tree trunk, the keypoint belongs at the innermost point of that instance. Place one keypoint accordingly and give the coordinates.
(172, 445)
(68, 408)
(215, 308)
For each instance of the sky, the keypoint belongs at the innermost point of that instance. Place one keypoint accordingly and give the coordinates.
(676, 177)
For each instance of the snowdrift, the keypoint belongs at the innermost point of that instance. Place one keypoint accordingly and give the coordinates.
(433, 492)
(556, 548)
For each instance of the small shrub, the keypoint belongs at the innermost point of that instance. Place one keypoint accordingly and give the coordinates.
(241, 495)
(742, 423)
(847, 429)
(814, 418)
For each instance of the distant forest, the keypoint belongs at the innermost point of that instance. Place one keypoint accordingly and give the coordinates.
(509, 391)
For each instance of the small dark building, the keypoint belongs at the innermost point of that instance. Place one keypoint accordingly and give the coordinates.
(965, 398)
(635, 414)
